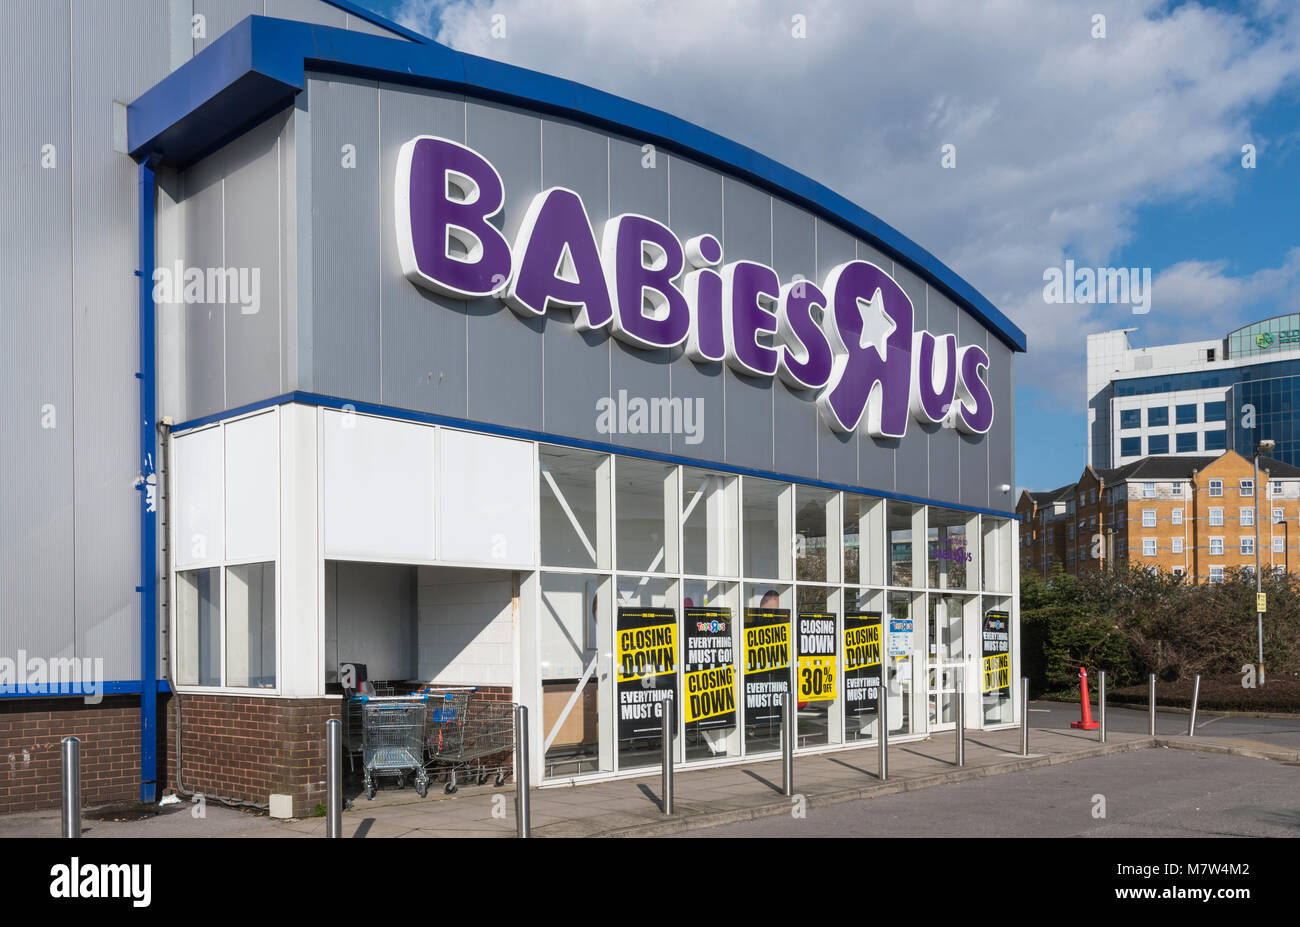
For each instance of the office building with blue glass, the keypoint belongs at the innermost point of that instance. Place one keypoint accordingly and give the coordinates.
(1195, 398)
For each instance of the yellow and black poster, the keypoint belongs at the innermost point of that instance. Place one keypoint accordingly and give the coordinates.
(861, 662)
(767, 665)
(710, 670)
(816, 673)
(647, 669)
(996, 650)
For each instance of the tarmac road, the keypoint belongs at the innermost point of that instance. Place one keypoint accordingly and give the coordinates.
(1255, 732)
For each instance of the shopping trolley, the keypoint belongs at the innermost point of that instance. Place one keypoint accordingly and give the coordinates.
(392, 740)
(471, 738)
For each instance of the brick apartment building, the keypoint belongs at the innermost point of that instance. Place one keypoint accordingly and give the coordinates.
(1194, 516)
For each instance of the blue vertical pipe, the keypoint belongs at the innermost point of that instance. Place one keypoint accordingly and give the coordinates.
(147, 486)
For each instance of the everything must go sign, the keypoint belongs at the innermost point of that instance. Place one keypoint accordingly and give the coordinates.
(851, 339)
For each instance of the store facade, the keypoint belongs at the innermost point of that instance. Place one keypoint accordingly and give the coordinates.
(517, 385)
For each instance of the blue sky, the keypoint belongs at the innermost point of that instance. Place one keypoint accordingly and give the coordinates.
(1122, 150)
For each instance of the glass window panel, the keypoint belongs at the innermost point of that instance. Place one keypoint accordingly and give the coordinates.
(1186, 442)
(902, 642)
(767, 531)
(767, 662)
(645, 506)
(817, 647)
(1216, 411)
(948, 553)
(250, 625)
(648, 666)
(1130, 418)
(997, 700)
(1130, 447)
(1216, 440)
(711, 640)
(574, 508)
(710, 523)
(816, 543)
(198, 627)
(577, 684)
(1158, 444)
(1185, 414)
(898, 517)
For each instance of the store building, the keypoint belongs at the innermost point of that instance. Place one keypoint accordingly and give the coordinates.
(1193, 516)
(1195, 399)
(475, 376)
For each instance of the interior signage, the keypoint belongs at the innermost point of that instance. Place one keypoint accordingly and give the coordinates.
(850, 340)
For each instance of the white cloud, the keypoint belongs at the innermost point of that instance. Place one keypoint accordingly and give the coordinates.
(1060, 137)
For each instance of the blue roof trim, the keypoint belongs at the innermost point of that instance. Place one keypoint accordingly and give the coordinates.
(430, 418)
(112, 687)
(376, 20)
(254, 70)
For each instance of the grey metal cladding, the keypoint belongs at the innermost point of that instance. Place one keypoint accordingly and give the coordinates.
(203, 325)
(105, 302)
(542, 374)
(576, 365)
(694, 208)
(220, 16)
(345, 239)
(1002, 436)
(36, 370)
(423, 344)
(975, 448)
(504, 351)
(252, 243)
(945, 443)
(307, 11)
(747, 235)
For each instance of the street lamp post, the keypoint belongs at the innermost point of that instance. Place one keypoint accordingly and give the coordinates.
(1262, 448)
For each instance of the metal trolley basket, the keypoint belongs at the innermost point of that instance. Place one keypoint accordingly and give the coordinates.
(471, 738)
(392, 740)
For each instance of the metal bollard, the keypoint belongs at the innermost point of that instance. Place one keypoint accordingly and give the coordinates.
(1151, 704)
(333, 778)
(882, 713)
(70, 819)
(523, 812)
(670, 727)
(787, 744)
(1196, 695)
(961, 721)
(1024, 716)
(1101, 704)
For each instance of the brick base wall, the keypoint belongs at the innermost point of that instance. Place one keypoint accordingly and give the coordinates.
(31, 731)
(247, 747)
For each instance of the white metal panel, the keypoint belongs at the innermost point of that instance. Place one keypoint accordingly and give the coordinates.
(252, 492)
(197, 502)
(379, 488)
(301, 617)
(486, 499)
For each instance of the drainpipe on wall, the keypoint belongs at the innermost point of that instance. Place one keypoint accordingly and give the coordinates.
(147, 485)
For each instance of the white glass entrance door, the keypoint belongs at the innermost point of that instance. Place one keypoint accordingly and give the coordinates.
(945, 659)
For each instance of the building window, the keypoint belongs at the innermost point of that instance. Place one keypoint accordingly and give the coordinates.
(1216, 547)
(1178, 571)
(1148, 518)
(1247, 516)
(1130, 418)
(1216, 440)
(1185, 414)
(1176, 545)
(1148, 547)
(1148, 490)
(1247, 487)
(1278, 517)
(1247, 545)
(1216, 574)
(1216, 517)
(1070, 531)
(1176, 517)
(1185, 442)
(248, 661)
(1158, 417)
(1279, 545)
(1275, 488)
(1216, 487)
(1092, 497)
(1216, 411)
(1119, 519)
(1176, 487)
(1130, 447)
(1158, 444)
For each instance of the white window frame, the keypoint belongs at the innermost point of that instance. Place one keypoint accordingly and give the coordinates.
(1176, 517)
(1216, 488)
(1176, 545)
(1150, 547)
(1246, 515)
(1216, 574)
(1216, 543)
(1246, 486)
(1279, 516)
(1216, 517)
(1148, 490)
(1279, 544)
(1247, 545)
(1148, 518)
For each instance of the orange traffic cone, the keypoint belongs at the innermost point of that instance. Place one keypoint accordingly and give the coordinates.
(1086, 723)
